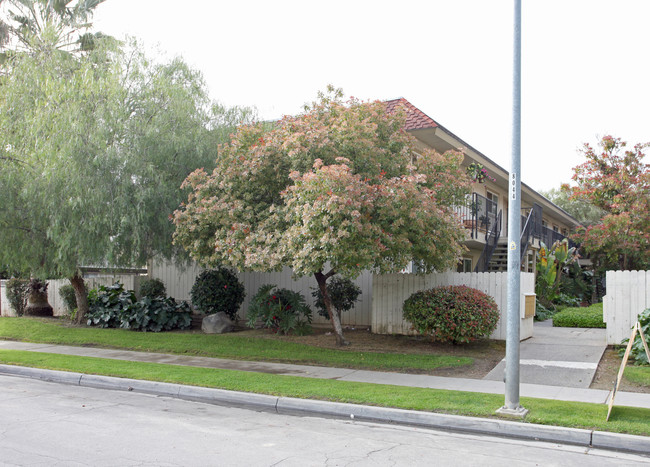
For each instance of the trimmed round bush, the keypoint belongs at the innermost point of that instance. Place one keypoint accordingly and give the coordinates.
(343, 293)
(152, 288)
(457, 314)
(216, 290)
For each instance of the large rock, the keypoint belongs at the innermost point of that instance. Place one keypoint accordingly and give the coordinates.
(217, 323)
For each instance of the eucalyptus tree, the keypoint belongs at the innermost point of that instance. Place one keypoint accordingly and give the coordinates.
(93, 149)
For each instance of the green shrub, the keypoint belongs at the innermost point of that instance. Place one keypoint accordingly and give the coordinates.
(113, 307)
(107, 305)
(157, 314)
(637, 353)
(17, 294)
(343, 293)
(280, 310)
(542, 313)
(563, 300)
(457, 314)
(578, 283)
(69, 297)
(587, 317)
(218, 290)
(152, 288)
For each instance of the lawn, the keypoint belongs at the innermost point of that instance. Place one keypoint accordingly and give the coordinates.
(638, 374)
(580, 317)
(233, 346)
(542, 411)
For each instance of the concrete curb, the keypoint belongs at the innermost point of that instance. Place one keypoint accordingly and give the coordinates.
(309, 407)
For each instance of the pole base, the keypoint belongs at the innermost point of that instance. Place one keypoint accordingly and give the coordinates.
(518, 412)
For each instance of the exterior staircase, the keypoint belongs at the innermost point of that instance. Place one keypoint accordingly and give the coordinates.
(499, 260)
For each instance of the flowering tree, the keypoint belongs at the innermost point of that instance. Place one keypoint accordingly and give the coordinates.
(338, 189)
(618, 182)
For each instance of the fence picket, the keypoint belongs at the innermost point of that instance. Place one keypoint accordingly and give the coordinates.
(628, 294)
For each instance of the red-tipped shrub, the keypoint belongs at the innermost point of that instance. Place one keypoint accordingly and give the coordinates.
(457, 314)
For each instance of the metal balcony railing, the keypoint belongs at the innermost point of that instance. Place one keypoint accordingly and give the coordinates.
(479, 216)
(550, 236)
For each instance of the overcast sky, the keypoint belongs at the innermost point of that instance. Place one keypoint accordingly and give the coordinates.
(586, 66)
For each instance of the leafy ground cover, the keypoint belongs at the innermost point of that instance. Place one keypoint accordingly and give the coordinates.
(542, 411)
(580, 317)
(250, 345)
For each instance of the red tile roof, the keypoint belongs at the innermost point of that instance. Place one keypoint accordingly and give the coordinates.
(415, 118)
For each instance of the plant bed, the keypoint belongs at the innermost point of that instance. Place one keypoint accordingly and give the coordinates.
(607, 373)
(576, 317)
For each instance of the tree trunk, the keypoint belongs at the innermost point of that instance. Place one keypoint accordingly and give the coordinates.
(321, 279)
(82, 297)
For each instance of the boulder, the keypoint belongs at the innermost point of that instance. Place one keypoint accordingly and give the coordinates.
(217, 323)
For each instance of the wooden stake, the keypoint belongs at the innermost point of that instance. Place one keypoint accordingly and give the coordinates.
(637, 328)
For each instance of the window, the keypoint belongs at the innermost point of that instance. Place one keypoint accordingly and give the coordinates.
(465, 265)
(556, 228)
(492, 207)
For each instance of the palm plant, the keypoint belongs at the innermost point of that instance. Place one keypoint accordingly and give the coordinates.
(38, 25)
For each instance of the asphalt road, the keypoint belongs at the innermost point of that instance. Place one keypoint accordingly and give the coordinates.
(49, 424)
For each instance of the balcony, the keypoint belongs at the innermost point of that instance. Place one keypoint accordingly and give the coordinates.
(550, 236)
(479, 216)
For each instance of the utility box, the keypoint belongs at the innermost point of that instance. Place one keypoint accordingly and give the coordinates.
(529, 305)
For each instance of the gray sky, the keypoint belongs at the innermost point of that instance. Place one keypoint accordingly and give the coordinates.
(585, 63)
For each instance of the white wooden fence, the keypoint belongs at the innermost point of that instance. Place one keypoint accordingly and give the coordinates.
(391, 290)
(380, 304)
(628, 294)
(179, 281)
(130, 281)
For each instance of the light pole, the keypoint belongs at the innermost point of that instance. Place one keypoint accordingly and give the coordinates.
(512, 406)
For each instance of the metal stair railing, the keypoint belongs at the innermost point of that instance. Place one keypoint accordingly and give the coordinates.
(492, 238)
(527, 233)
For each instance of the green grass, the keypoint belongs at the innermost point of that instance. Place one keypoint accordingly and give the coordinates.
(577, 317)
(638, 374)
(222, 346)
(542, 411)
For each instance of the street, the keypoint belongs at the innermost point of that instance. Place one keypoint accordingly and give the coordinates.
(49, 424)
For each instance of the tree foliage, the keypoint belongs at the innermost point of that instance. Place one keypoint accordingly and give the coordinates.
(93, 150)
(618, 182)
(45, 25)
(550, 265)
(585, 212)
(338, 189)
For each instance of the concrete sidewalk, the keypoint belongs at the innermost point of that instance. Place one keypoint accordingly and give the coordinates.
(566, 357)
(399, 379)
